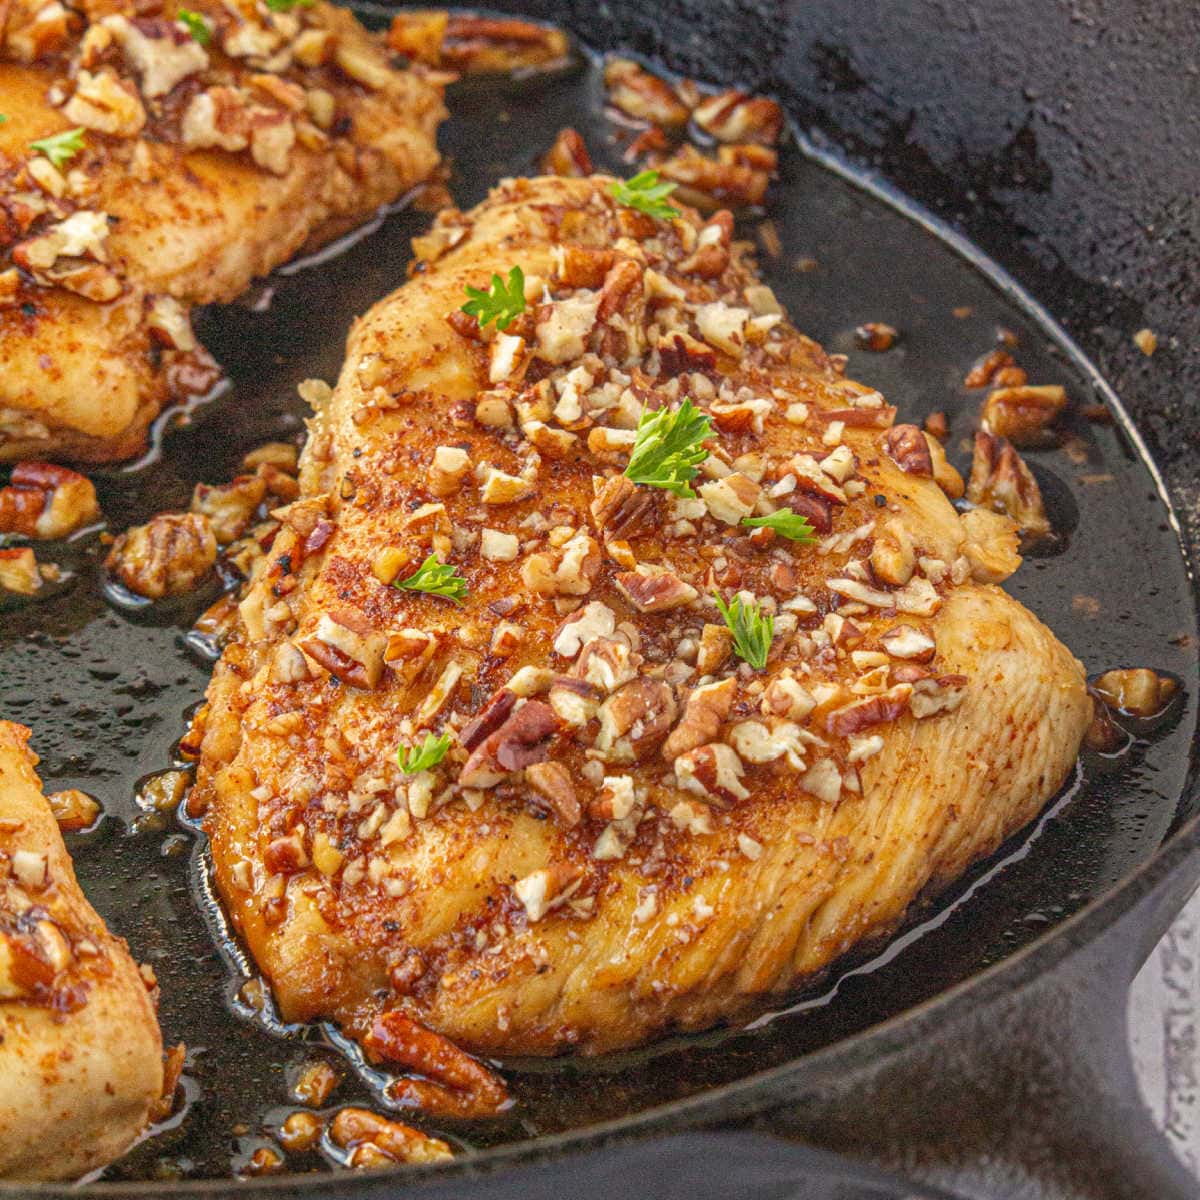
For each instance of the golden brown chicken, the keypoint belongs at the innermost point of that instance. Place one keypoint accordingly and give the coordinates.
(637, 825)
(81, 1066)
(149, 164)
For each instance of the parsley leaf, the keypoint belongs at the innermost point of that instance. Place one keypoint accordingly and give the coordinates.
(791, 525)
(437, 579)
(3, 119)
(413, 759)
(61, 147)
(752, 631)
(502, 303)
(195, 24)
(283, 6)
(669, 447)
(646, 194)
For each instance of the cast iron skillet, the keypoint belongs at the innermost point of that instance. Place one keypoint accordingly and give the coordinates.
(1012, 122)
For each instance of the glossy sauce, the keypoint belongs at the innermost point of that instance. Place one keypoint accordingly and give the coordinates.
(107, 686)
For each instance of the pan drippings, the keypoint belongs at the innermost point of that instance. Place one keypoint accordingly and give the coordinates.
(108, 687)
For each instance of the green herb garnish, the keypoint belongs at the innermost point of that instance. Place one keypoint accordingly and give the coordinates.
(61, 147)
(790, 525)
(502, 303)
(413, 759)
(752, 630)
(437, 579)
(646, 194)
(669, 447)
(283, 6)
(195, 24)
(3, 119)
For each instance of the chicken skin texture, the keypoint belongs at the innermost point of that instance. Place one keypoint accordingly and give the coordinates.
(81, 1066)
(633, 829)
(188, 161)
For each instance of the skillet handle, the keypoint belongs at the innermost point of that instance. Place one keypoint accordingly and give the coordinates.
(1027, 1093)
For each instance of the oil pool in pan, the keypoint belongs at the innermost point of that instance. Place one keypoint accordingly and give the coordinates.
(107, 689)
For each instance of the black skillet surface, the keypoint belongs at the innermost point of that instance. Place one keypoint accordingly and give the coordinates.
(106, 689)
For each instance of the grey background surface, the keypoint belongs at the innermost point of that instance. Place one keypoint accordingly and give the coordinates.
(1164, 1030)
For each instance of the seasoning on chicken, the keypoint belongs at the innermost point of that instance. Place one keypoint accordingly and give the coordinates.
(637, 759)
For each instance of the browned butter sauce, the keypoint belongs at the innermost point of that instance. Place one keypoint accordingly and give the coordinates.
(107, 689)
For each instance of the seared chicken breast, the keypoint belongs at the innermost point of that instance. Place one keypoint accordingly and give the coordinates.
(688, 761)
(81, 1066)
(148, 165)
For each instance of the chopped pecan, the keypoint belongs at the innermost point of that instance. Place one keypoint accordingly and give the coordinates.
(732, 499)
(73, 810)
(347, 648)
(874, 710)
(454, 1083)
(552, 782)
(623, 510)
(643, 96)
(908, 642)
(106, 103)
(876, 336)
(606, 664)
(230, 506)
(593, 620)
(713, 772)
(46, 501)
(908, 448)
(704, 710)
(984, 371)
(817, 510)
(522, 739)
(942, 694)
(1137, 691)
(758, 742)
(679, 352)
(1002, 482)
(710, 256)
(488, 720)
(944, 475)
(549, 888)
(477, 45)
(735, 117)
(568, 157)
(166, 557)
(583, 266)
(736, 178)
(1023, 414)
(716, 643)
(634, 719)
(654, 591)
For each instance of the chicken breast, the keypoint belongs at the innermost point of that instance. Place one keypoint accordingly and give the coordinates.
(638, 824)
(81, 1064)
(183, 161)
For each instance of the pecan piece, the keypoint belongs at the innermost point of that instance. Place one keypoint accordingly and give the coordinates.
(1001, 481)
(713, 772)
(568, 157)
(348, 649)
(633, 719)
(623, 510)
(488, 720)
(737, 178)
(643, 96)
(454, 1083)
(1137, 691)
(874, 710)
(523, 739)
(1023, 414)
(46, 501)
(908, 448)
(735, 117)
(166, 557)
(942, 694)
(654, 592)
(552, 782)
(703, 712)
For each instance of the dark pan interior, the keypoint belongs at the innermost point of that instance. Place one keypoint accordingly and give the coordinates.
(107, 689)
